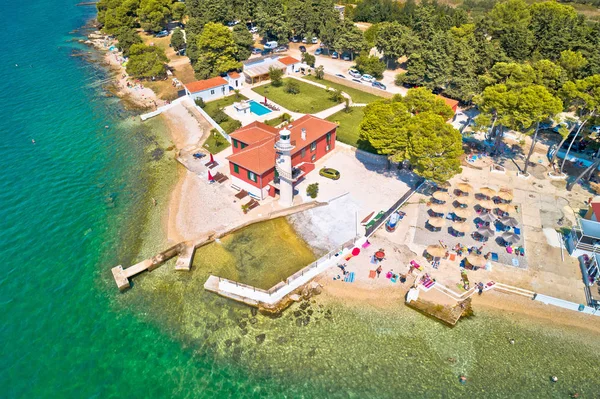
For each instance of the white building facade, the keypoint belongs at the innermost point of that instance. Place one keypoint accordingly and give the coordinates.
(208, 90)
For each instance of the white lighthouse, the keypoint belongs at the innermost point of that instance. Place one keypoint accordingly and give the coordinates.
(283, 165)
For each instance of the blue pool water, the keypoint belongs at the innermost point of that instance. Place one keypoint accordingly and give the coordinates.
(258, 109)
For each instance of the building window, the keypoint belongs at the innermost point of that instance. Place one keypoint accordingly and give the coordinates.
(236, 83)
(235, 143)
(244, 145)
(252, 176)
(313, 158)
(328, 137)
(313, 146)
(303, 153)
(236, 168)
(327, 148)
(212, 92)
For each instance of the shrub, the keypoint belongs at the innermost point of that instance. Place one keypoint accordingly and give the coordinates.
(320, 72)
(231, 125)
(200, 102)
(308, 59)
(370, 65)
(285, 117)
(347, 107)
(238, 96)
(336, 95)
(312, 190)
(292, 87)
(220, 116)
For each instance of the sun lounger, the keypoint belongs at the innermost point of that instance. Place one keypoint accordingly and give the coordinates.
(241, 194)
(349, 277)
(372, 273)
(365, 220)
(366, 245)
(253, 204)
(220, 177)
(211, 165)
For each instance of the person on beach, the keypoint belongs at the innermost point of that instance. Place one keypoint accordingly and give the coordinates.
(480, 288)
(378, 270)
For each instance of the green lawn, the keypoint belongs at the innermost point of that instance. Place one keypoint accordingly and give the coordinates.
(310, 100)
(212, 108)
(347, 131)
(358, 96)
(216, 143)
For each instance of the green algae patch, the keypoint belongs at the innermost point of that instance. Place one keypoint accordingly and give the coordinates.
(261, 255)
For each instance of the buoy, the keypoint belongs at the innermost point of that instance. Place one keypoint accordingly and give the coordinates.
(32, 141)
(106, 126)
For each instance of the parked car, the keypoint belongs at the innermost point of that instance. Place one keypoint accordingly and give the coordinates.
(233, 23)
(330, 173)
(256, 50)
(314, 40)
(318, 51)
(302, 49)
(280, 49)
(346, 57)
(354, 73)
(378, 85)
(368, 78)
(295, 39)
(254, 29)
(357, 80)
(162, 33)
(271, 45)
(304, 40)
(339, 75)
(334, 55)
(266, 51)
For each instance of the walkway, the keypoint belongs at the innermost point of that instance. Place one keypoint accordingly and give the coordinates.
(162, 109)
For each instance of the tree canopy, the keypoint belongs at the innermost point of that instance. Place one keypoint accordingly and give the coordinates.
(217, 51)
(146, 61)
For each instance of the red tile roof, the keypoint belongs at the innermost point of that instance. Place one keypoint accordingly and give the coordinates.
(233, 75)
(202, 85)
(259, 156)
(450, 102)
(288, 60)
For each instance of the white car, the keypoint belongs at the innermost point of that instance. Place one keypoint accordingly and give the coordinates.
(368, 78)
(315, 40)
(354, 73)
(304, 40)
(254, 29)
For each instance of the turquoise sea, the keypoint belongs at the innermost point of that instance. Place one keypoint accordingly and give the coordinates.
(73, 204)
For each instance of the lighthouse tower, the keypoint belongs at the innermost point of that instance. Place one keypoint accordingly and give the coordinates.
(283, 165)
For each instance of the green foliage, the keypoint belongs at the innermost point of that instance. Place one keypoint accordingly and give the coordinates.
(272, 20)
(117, 14)
(200, 102)
(217, 51)
(370, 65)
(127, 37)
(320, 72)
(408, 129)
(308, 18)
(395, 40)
(347, 107)
(146, 61)
(308, 59)
(312, 190)
(244, 41)
(573, 63)
(231, 125)
(276, 76)
(154, 14)
(177, 40)
(292, 86)
(220, 116)
(371, 34)
(348, 38)
(422, 100)
(336, 95)
(178, 11)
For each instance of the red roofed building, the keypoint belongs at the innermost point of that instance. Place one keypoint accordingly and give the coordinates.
(291, 64)
(450, 102)
(208, 89)
(252, 164)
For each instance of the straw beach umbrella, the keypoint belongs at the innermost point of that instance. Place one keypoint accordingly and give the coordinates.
(437, 251)
(462, 213)
(443, 186)
(507, 208)
(505, 195)
(476, 260)
(488, 217)
(509, 221)
(461, 227)
(464, 188)
(438, 208)
(487, 204)
(441, 196)
(510, 237)
(437, 222)
(485, 232)
(464, 200)
(488, 192)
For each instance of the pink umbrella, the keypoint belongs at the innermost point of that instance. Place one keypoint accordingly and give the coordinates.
(355, 251)
(211, 158)
(210, 177)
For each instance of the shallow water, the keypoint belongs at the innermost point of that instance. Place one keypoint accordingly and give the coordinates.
(260, 255)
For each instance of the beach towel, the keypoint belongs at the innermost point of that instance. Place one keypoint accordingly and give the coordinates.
(517, 230)
(515, 262)
(366, 245)
(372, 274)
(349, 277)
(452, 257)
(494, 257)
(348, 257)
(388, 275)
(394, 278)
(373, 260)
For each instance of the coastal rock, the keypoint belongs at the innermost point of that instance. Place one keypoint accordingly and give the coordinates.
(295, 297)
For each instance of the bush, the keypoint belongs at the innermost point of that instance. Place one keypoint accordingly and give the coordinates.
(200, 102)
(220, 116)
(276, 76)
(399, 79)
(370, 65)
(308, 59)
(320, 72)
(292, 87)
(347, 107)
(312, 190)
(336, 95)
(231, 125)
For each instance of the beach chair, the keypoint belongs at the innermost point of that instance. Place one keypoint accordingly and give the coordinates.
(349, 278)
(211, 165)
(241, 194)
(253, 204)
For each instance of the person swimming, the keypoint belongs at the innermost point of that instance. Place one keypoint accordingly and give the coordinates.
(462, 379)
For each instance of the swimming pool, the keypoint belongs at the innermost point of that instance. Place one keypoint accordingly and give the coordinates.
(258, 109)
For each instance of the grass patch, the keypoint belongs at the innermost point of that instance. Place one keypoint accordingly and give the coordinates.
(310, 100)
(216, 143)
(358, 96)
(213, 108)
(347, 131)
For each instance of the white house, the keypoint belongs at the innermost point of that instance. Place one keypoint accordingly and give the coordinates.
(584, 243)
(209, 89)
(291, 64)
(235, 80)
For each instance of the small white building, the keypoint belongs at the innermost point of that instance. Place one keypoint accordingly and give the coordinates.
(291, 64)
(209, 89)
(235, 80)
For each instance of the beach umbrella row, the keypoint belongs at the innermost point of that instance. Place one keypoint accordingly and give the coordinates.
(488, 192)
(438, 208)
(464, 188)
(487, 204)
(476, 260)
(462, 213)
(464, 200)
(437, 222)
(441, 196)
(509, 221)
(485, 231)
(461, 227)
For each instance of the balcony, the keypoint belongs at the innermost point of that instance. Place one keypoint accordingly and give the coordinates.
(583, 242)
(297, 173)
